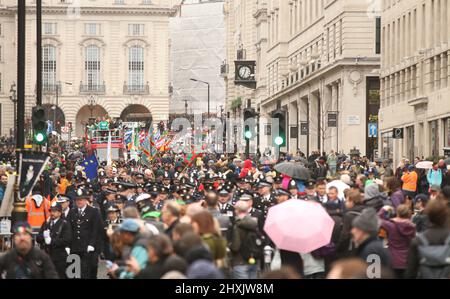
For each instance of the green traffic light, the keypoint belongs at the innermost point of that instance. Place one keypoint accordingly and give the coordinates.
(39, 138)
(279, 140)
(248, 134)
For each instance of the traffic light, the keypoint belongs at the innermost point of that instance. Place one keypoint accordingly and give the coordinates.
(249, 126)
(280, 138)
(39, 126)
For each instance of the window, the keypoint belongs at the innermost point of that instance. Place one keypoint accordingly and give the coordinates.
(378, 36)
(118, 1)
(136, 29)
(48, 66)
(92, 67)
(447, 133)
(92, 29)
(49, 28)
(136, 68)
(146, 1)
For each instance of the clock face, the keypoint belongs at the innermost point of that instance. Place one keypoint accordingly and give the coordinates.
(245, 72)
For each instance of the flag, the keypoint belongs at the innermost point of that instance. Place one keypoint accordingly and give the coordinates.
(127, 137)
(90, 165)
(108, 151)
(142, 136)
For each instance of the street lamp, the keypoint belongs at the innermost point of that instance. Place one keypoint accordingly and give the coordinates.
(196, 80)
(92, 103)
(13, 98)
(57, 101)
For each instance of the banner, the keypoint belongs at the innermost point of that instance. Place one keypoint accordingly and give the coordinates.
(8, 199)
(31, 166)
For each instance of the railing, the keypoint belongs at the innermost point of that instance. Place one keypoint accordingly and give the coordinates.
(136, 89)
(50, 88)
(102, 136)
(92, 88)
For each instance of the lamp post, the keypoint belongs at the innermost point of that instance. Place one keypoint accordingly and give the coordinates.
(58, 84)
(92, 103)
(13, 98)
(207, 83)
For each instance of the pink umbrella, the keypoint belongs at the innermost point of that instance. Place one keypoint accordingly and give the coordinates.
(299, 226)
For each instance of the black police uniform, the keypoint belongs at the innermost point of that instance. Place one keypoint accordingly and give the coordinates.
(61, 235)
(86, 227)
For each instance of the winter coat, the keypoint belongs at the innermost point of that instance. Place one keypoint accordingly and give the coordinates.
(435, 236)
(344, 246)
(434, 177)
(397, 198)
(37, 265)
(446, 179)
(399, 235)
(216, 244)
(246, 224)
(373, 246)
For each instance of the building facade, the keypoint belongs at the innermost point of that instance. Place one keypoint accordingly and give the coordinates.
(241, 40)
(197, 44)
(98, 58)
(415, 79)
(316, 60)
(322, 68)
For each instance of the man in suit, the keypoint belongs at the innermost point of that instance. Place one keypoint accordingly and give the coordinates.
(55, 237)
(86, 227)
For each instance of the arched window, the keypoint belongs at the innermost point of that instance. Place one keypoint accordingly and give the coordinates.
(49, 68)
(136, 69)
(92, 68)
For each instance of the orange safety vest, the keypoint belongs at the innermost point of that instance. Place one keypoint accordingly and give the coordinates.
(37, 216)
(63, 186)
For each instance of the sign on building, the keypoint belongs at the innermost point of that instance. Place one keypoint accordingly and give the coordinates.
(332, 119)
(398, 133)
(304, 128)
(373, 130)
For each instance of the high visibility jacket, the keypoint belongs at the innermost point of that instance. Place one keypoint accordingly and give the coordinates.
(37, 215)
(63, 186)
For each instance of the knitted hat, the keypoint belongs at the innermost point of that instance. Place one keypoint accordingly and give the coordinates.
(371, 191)
(368, 222)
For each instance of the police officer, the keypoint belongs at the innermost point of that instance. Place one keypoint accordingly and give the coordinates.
(266, 199)
(55, 237)
(86, 227)
(65, 205)
(225, 207)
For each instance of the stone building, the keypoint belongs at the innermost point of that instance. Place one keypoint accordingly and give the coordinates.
(99, 57)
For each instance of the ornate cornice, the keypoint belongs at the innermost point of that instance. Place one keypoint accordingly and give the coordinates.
(62, 10)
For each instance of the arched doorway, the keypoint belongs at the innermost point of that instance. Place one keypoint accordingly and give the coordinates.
(136, 113)
(55, 115)
(84, 114)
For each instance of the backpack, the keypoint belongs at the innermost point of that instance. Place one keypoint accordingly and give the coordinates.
(251, 244)
(434, 259)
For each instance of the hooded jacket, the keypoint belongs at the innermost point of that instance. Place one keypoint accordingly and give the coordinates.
(399, 235)
(243, 225)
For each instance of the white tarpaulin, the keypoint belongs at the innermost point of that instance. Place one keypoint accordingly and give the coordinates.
(8, 200)
(197, 51)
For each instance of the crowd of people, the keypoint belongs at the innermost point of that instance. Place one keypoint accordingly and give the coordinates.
(204, 218)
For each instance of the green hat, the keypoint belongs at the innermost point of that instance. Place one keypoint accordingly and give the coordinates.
(153, 214)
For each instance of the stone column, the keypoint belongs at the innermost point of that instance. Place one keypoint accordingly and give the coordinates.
(443, 72)
(407, 90)
(448, 65)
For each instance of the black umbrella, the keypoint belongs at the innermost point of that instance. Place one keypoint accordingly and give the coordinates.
(294, 170)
